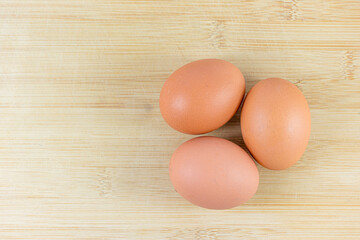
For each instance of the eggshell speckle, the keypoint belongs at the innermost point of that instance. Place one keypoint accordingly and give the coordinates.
(213, 173)
(202, 96)
(275, 123)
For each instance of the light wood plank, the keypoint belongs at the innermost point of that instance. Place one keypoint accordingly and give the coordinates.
(83, 148)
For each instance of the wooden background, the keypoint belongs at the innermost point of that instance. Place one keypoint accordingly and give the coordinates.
(84, 151)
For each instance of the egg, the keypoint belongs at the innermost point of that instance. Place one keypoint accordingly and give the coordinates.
(202, 96)
(213, 173)
(275, 123)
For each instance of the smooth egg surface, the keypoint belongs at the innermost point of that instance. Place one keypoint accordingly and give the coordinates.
(213, 173)
(275, 123)
(202, 96)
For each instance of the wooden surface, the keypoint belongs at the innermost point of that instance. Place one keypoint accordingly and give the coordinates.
(84, 151)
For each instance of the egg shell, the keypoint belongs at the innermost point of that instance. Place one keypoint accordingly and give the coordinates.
(213, 173)
(275, 123)
(202, 96)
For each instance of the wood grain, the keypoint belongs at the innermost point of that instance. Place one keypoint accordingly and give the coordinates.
(84, 150)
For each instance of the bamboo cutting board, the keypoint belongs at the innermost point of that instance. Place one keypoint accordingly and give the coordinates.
(84, 151)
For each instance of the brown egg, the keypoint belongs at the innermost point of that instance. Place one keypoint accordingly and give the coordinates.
(202, 96)
(213, 173)
(275, 123)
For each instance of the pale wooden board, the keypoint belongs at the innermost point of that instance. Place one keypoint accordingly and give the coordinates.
(83, 148)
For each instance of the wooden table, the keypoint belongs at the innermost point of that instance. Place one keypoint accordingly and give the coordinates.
(84, 151)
